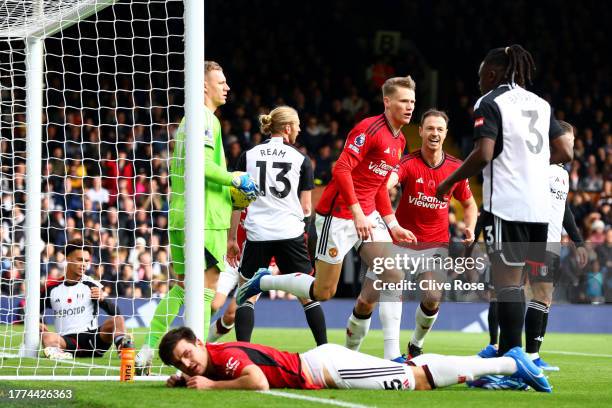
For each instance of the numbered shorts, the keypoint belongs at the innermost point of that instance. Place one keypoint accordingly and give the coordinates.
(228, 280)
(353, 370)
(215, 248)
(418, 261)
(86, 344)
(336, 236)
(547, 273)
(291, 256)
(514, 242)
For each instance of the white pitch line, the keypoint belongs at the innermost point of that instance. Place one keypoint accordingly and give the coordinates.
(70, 362)
(575, 353)
(77, 363)
(314, 399)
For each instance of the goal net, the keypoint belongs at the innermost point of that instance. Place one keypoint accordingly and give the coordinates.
(112, 97)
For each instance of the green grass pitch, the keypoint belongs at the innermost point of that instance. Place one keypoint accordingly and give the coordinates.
(585, 379)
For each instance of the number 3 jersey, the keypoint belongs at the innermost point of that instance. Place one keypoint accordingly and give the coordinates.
(282, 173)
(515, 186)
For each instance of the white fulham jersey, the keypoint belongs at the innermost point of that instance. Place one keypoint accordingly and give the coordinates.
(559, 187)
(515, 186)
(282, 173)
(74, 310)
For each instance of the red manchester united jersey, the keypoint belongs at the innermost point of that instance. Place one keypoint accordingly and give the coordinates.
(378, 151)
(281, 368)
(419, 210)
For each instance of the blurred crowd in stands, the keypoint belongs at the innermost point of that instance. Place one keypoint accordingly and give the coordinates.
(105, 173)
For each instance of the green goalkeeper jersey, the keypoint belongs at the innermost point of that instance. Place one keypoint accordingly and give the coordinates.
(216, 184)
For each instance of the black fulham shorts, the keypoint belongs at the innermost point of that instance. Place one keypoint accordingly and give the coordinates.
(291, 256)
(514, 242)
(86, 344)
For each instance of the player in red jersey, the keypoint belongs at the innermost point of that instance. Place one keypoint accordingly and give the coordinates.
(419, 211)
(240, 365)
(355, 203)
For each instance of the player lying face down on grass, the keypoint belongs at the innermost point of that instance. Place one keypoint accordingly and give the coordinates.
(239, 365)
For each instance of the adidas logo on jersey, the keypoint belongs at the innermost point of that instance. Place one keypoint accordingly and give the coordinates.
(420, 180)
(388, 150)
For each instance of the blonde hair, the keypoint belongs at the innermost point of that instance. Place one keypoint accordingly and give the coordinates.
(274, 122)
(211, 66)
(391, 85)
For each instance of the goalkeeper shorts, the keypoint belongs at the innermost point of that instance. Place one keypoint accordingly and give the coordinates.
(215, 248)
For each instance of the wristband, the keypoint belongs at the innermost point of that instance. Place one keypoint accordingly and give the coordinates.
(393, 224)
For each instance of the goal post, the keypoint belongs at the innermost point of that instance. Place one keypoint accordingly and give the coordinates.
(194, 165)
(39, 98)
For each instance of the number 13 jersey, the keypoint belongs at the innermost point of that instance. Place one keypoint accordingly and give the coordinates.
(282, 173)
(515, 186)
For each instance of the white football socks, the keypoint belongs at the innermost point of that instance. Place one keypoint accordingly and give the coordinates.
(297, 284)
(390, 313)
(356, 330)
(449, 370)
(423, 324)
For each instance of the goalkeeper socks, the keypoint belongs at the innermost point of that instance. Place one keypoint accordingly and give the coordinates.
(424, 320)
(534, 320)
(544, 324)
(390, 313)
(245, 321)
(167, 309)
(297, 284)
(511, 312)
(443, 371)
(316, 321)
(209, 296)
(218, 329)
(357, 328)
(493, 323)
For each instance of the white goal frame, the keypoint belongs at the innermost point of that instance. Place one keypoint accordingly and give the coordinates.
(35, 20)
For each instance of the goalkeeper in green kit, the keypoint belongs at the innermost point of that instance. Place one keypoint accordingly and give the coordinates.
(218, 211)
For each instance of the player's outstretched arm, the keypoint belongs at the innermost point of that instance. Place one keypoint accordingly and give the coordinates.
(251, 378)
(475, 162)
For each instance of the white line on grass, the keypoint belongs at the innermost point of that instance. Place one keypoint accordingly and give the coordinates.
(314, 399)
(69, 362)
(76, 363)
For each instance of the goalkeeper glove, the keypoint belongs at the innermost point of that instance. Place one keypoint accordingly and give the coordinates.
(245, 183)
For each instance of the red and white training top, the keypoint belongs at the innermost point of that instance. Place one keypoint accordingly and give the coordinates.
(419, 210)
(371, 152)
(281, 368)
